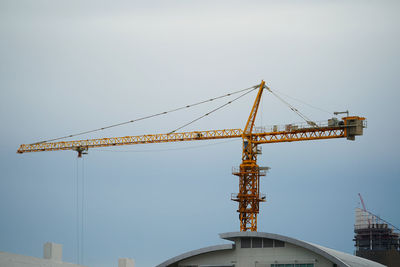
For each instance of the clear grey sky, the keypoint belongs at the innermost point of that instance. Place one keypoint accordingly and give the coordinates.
(70, 66)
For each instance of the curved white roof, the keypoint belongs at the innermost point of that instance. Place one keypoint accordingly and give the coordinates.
(340, 258)
(195, 253)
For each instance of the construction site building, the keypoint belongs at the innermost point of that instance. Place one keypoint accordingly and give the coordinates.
(376, 239)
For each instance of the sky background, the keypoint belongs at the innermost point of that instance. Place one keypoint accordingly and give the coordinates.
(71, 66)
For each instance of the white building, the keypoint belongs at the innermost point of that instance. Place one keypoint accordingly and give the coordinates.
(256, 249)
(52, 257)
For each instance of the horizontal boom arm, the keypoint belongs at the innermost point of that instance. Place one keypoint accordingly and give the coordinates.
(131, 140)
(350, 127)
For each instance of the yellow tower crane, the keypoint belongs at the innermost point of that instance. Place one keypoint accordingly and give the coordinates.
(249, 172)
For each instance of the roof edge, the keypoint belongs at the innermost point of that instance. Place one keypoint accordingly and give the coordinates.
(342, 259)
(195, 253)
(232, 235)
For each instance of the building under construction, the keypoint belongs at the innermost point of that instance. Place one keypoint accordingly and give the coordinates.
(376, 239)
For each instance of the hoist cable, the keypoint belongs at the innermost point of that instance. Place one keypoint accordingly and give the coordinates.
(147, 117)
(208, 113)
(82, 207)
(77, 212)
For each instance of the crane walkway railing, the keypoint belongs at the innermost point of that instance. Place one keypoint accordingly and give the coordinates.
(303, 125)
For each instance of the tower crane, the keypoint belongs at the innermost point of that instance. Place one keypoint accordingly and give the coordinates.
(362, 202)
(249, 173)
(365, 209)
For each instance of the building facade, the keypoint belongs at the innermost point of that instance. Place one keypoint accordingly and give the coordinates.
(256, 249)
(375, 239)
(52, 257)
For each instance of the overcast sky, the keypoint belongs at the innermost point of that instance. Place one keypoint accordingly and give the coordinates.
(71, 66)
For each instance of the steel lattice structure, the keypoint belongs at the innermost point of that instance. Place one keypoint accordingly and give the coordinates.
(249, 172)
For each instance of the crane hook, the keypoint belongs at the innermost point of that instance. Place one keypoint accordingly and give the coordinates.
(81, 151)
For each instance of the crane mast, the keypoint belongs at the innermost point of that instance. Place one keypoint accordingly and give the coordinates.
(249, 173)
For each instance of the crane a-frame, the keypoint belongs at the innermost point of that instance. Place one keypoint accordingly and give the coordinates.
(249, 172)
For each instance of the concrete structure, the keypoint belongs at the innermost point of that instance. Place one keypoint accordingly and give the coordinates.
(376, 239)
(126, 262)
(52, 257)
(52, 251)
(256, 249)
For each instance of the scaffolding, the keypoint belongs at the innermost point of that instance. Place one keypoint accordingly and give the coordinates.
(373, 233)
